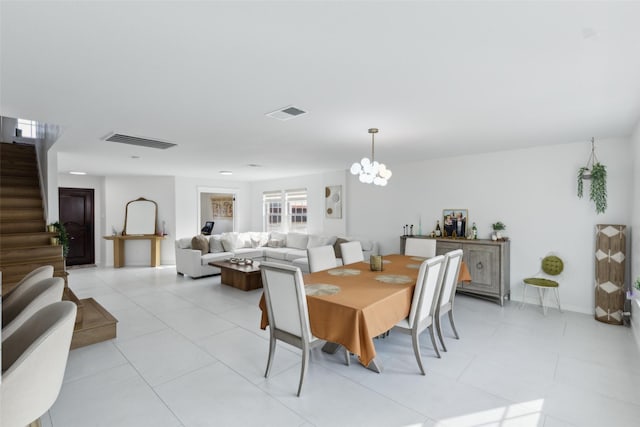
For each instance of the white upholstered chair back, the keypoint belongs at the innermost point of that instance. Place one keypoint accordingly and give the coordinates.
(424, 302)
(351, 252)
(38, 295)
(453, 260)
(40, 273)
(420, 247)
(321, 258)
(34, 358)
(286, 299)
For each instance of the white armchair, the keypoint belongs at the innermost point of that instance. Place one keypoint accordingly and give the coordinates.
(33, 364)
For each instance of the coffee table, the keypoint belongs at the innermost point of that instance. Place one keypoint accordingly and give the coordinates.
(244, 277)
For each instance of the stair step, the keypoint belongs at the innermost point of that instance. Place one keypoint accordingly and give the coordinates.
(8, 214)
(22, 226)
(11, 169)
(12, 273)
(20, 190)
(97, 325)
(20, 202)
(19, 181)
(20, 240)
(10, 255)
(17, 150)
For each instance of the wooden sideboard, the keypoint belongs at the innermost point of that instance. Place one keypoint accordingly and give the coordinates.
(118, 248)
(488, 263)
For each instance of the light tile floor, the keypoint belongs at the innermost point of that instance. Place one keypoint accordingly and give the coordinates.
(190, 353)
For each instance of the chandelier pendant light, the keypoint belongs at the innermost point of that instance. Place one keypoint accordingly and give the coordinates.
(370, 171)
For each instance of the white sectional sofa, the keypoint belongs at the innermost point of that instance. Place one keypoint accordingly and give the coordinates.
(286, 248)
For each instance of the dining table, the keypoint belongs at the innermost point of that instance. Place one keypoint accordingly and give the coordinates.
(351, 305)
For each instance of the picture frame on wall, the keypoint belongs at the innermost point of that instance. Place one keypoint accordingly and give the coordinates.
(455, 221)
(333, 201)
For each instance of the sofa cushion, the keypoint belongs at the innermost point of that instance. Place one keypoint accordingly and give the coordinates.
(278, 236)
(200, 243)
(215, 244)
(297, 240)
(259, 239)
(276, 253)
(295, 254)
(218, 256)
(248, 253)
(316, 240)
(244, 240)
(184, 243)
(230, 241)
(275, 243)
(336, 246)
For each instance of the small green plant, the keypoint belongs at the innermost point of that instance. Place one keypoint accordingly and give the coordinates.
(497, 226)
(636, 284)
(63, 237)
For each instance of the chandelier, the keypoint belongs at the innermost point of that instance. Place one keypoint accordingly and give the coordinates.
(370, 171)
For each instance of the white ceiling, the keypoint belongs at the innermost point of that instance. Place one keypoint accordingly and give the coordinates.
(437, 78)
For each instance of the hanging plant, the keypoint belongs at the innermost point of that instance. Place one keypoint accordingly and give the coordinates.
(597, 174)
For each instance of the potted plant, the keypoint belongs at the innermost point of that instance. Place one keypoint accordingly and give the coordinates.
(497, 228)
(63, 236)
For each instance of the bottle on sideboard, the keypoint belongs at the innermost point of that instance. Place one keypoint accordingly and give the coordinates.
(438, 230)
(474, 230)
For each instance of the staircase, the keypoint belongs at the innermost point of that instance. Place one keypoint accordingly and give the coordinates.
(25, 244)
(24, 241)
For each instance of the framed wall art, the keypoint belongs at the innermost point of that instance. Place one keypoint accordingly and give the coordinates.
(455, 222)
(333, 201)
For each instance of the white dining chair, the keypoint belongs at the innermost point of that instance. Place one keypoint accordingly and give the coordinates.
(38, 295)
(321, 258)
(453, 260)
(423, 305)
(33, 277)
(287, 311)
(34, 359)
(351, 252)
(420, 247)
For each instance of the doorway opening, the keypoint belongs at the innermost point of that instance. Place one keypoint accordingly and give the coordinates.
(217, 207)
(76, 213)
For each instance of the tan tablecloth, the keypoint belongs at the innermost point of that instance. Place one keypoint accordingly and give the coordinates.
(365, 307)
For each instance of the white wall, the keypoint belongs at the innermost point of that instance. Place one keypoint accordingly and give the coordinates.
(315, 185)
(97, 184)
(634, 256)
(532, 191)
(118, 191)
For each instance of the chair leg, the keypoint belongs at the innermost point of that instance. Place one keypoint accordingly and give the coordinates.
(416, 350)
(303, 369)
(433, 341)
(558, 298)
(524, 294)
(453, 325)
(272, 350)
(542, 292)
(347, 356)
(439, 330)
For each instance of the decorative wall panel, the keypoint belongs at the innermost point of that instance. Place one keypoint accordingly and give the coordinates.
(610, 265)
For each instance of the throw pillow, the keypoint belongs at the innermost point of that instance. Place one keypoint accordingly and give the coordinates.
(336, 246)
(297, 240)
(275, 243)
(200, 243)
(317, 240)
(229, 242)
(215, 244)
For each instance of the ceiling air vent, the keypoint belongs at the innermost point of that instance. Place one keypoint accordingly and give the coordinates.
(143, 142)
(286, 113)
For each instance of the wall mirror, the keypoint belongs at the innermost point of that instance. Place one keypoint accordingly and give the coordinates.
(141, 217)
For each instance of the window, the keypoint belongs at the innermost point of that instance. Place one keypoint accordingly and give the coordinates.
(285, 210)
(28, 128)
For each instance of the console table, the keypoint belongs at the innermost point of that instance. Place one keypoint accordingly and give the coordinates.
(488, 263)
(118, 248)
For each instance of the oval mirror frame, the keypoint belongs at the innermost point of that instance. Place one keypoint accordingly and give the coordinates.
(141, 217)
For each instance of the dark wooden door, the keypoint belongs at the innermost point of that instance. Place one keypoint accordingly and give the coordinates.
(76, 214)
